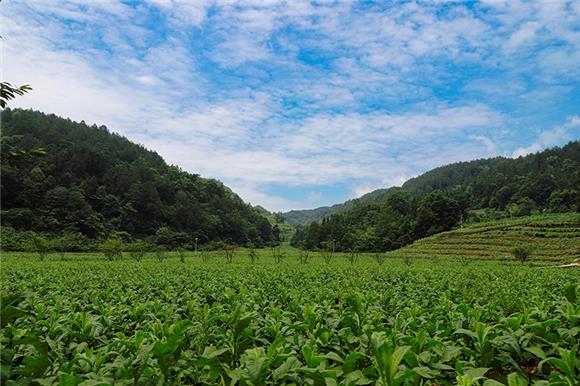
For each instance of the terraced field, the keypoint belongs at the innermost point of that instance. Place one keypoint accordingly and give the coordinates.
(551, 237)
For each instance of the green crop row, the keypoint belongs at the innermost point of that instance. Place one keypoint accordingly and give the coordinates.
(93, 322)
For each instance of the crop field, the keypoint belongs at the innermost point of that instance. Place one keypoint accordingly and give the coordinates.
(279, 321)
(550, 237)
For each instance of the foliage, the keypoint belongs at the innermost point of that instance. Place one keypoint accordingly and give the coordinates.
(445, 198)
(181, 253)
(304, 256)
(277, 254)
(138, 249)
(112, 249)
(95, 182)
(549, 236)
(252, 254)
(522, 252)
(229, 252)
(379, 258)
(8, 92)
(40, 245)
(83, 321)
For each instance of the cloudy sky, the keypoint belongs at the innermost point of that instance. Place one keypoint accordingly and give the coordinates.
(297, 104)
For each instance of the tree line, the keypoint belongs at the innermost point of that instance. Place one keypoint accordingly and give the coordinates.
(448, 196)
(92, 185)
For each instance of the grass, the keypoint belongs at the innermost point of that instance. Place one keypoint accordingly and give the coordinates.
(550, 237)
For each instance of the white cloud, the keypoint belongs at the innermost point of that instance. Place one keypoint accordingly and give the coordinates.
(490, 146)
(225, 90)
(551, 137)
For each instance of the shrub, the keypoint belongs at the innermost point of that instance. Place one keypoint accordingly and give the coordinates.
(112, 249)
(41, 246)
(181, 254)
(352, 256)
(277, 254)
(253, 255)
(160, 252)
(229, 252)
(137, 250)
(522, 252)
(380, 258)
(303, 256)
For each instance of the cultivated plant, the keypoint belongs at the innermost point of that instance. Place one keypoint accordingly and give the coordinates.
(112, 249)
(181, 253)
(160, 253)
(277, 254)
(60, 246)
(41, 246)
(303, 256)
(137, 250)
(352, 256)
(380, 258)
(522, 252)
(205, 255)
(253, 255)
(229, 253)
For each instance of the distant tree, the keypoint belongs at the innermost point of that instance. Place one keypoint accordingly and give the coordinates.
(437, 213)
(112, 249)
(278, 254)
(138, 249)
(303, 256)
(41, 246)
(522, 252)
(562, 200)
(252, 254)
(229, 252)
(181, 253)
(276, 233)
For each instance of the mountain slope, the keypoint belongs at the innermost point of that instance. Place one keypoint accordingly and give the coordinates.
(449, 196)
(96, 183)
(549, 237)
(489, 183)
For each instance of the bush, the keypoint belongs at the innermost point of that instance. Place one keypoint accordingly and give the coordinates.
(522, 252)
(41, 246)
(112, 249)
(138, 249)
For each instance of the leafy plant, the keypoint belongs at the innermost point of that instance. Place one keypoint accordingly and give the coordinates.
(229, 252)
(303, 256)
(278, 254)
(112, 249)
(522, 252)
(379, 258)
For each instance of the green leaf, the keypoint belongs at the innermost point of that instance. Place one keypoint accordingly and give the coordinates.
(478, 372)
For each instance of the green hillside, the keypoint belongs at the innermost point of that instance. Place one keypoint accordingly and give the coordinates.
(550, 237)
(486, 183)
(93, 184)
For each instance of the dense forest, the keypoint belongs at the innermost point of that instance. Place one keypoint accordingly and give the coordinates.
(444, 198)
(93, 184)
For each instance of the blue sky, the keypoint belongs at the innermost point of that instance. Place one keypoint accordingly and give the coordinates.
(298, 104)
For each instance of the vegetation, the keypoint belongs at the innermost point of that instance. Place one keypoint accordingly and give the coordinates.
(522, 252)
(448, 197)
(545, 180)
(206, 322)
(549, 236)
(95, 183)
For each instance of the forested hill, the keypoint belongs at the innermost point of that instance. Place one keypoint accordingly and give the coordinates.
(490, 183)
(444, 197)
(96, 183)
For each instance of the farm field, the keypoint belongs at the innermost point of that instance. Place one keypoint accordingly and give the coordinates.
(425, 321)
(550, 237)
